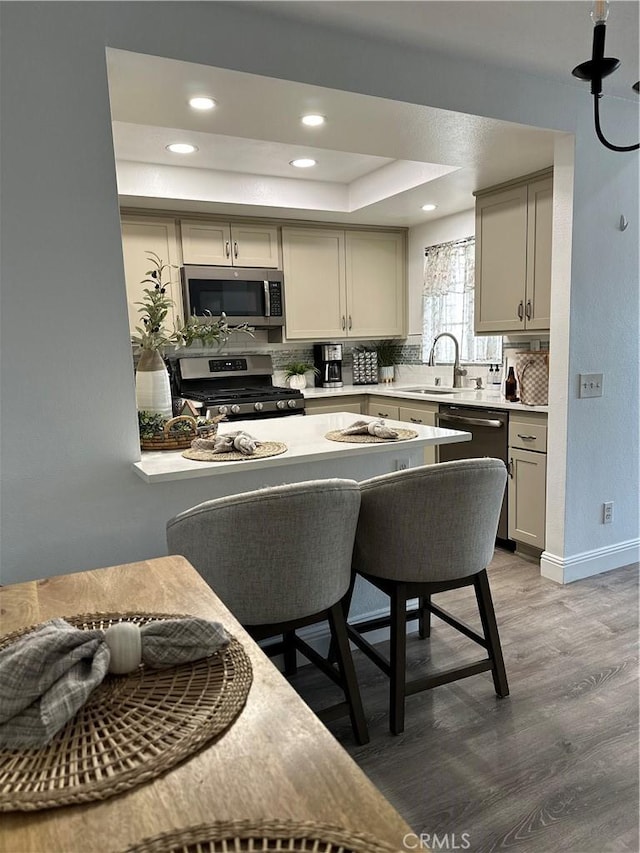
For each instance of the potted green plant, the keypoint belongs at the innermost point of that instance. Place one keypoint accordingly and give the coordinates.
(153, 393)
(386, 353)
(295, 373)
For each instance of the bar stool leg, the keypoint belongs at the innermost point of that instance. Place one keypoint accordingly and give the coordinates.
(424, 619)
(398, 658)
(342, 649)
(290, 655)
(490, 628)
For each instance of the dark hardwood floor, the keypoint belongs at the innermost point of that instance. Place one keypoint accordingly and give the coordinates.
(553, 767)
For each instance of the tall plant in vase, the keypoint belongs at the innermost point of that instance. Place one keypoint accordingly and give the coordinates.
(153, 392)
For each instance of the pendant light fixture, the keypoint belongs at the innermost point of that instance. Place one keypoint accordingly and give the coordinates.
(598, 67)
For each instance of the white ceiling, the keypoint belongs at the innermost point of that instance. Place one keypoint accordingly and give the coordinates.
(378, 160)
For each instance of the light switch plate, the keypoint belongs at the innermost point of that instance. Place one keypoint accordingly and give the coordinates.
(591, 384)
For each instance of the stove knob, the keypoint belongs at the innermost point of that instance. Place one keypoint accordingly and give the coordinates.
(281, 404)
(292, 404)
(222, 410)
(258, 407)
(235, 409)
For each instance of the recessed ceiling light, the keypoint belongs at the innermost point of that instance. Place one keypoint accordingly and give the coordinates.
(313, 120)
(181, 148)
(429, 206)
(202, 103)
(302, 163)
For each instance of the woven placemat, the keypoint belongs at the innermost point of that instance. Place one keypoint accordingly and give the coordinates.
(131, 729)
(260, 837)
(262, 451)
(365, 438)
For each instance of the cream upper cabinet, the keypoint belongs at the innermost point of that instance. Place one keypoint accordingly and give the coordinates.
(229, 244)
(314, 281)
(513, 257)
(341, 284)
(375, 281)
(140, 236)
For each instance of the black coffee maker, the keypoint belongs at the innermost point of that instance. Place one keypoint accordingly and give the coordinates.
(327, 358)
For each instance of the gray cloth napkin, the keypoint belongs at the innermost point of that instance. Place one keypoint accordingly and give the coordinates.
(239, 440)
(48, 674)
(377, 428)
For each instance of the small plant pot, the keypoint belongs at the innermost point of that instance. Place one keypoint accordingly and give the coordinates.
(299, 381)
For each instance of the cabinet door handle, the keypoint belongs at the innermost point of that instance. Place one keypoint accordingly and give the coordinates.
(529, 311)
(227, 248)
(510, 468)
(416, 420)
(520, 310)
(235, 249)
(350, 323)
(344, 323)
(526, 437)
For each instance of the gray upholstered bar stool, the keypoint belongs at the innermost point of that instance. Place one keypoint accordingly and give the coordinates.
(424, 531)
(280, 558)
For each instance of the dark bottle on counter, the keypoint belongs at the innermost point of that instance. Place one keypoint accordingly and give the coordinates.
(511, 387)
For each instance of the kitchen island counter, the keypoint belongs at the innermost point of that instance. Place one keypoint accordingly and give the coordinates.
(307, 448)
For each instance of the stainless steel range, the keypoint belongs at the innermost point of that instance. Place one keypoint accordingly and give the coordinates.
(239, 386)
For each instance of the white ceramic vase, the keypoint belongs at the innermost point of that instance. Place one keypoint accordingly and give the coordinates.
(298, 381)
(153, 392)
(387, 374)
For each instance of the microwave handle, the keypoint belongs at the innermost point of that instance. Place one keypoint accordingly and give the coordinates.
(267, 299)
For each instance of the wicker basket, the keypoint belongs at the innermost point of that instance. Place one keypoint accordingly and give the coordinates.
(172, 440)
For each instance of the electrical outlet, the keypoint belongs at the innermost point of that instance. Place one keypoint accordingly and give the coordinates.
(607, 512)
(403, 463)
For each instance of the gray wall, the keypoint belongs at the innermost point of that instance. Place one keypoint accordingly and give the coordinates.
(69, 500)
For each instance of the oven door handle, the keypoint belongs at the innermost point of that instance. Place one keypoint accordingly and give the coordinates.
(460, 419)
(267, 299)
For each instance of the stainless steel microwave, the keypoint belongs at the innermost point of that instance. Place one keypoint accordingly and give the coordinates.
(253, 296)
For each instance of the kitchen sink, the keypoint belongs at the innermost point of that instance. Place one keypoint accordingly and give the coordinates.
(432, 389)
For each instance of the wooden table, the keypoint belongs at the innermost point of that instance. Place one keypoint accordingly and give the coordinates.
(276, 761)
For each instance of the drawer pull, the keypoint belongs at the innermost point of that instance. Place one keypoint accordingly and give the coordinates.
(383, 414)
(416, 420)
(527, 437)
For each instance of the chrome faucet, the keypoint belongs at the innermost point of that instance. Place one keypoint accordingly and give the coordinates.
(458, 372)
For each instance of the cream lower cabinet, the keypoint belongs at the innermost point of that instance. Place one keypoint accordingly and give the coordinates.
(343, 284)
(527, 478)
(514, 226)
(383, 407)
(229, 244)
(425, 415)
(344, 404)
(139, 237)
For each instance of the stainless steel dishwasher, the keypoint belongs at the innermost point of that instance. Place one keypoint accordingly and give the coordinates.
(489, 429)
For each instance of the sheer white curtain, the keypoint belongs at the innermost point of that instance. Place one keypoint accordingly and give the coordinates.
(448, 304)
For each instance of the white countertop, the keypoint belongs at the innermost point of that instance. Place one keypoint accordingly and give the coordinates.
(487, 398)
(305, 440)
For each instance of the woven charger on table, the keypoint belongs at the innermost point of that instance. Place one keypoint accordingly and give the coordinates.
(131, 729)
(365, 438)
(262, 451)
(260, 837)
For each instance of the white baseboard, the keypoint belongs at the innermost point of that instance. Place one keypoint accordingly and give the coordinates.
(568, 569)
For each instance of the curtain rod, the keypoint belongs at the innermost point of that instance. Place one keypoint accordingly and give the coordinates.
(459, 242)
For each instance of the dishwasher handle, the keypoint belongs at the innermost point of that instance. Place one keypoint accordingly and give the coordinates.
(462, 419)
